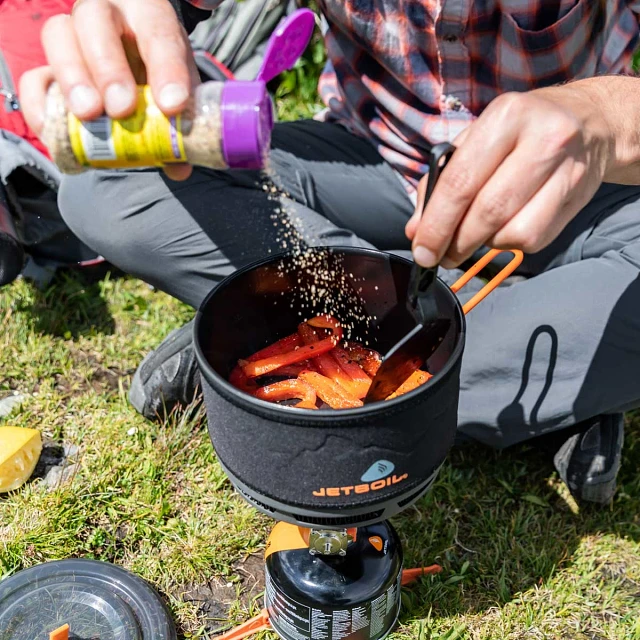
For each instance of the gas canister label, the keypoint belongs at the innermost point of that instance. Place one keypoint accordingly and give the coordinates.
(295, 621)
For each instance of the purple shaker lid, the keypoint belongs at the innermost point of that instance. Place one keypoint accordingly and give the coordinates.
(247, 121)
(287, 43)
(247, 111)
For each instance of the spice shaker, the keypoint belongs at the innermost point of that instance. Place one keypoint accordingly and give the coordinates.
(227, 125)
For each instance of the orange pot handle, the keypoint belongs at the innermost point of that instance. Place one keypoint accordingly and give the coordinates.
(493, 283)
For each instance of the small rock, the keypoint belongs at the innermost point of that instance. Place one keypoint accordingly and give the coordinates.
(52, 479)
(8, 404)
(132, 431)
(70, 450)
(59, 475)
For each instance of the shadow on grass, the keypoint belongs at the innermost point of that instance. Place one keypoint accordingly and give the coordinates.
(501, 523)
(72, 305)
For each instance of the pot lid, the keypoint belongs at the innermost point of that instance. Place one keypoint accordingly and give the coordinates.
(97, 600)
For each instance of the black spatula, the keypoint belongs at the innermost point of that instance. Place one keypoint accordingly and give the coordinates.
(410, 354)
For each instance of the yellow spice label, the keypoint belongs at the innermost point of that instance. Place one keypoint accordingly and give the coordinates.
(145, 139)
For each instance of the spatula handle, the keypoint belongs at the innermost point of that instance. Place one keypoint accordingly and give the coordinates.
(440, 156)
(422, 278)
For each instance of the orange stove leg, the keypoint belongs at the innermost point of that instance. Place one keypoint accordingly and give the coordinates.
(259, 623)
(411, 575)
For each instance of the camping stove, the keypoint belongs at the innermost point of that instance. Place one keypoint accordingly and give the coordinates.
(331, 584)
(331, 478)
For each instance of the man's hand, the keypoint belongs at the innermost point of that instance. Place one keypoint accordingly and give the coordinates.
(520, 173)
(99, 53)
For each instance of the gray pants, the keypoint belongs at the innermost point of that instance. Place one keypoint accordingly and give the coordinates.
(542, 354)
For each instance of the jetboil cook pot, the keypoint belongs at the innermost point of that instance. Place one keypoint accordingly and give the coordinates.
(330, 468)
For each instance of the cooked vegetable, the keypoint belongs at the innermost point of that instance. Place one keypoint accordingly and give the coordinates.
(288, 390)
(313, 367)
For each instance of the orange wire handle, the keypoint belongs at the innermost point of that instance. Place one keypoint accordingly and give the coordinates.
(259, 623)
(411, 575)
(493, 283)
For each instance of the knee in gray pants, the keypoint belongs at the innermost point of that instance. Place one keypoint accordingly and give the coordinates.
(134, 220)
(98, 215)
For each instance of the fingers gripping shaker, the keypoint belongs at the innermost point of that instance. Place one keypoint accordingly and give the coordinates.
(226, 125)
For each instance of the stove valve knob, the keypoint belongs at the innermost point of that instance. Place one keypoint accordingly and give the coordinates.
(326, 542)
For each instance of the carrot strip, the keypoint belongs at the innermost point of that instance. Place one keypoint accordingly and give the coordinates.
(267, 365)
(329, 391)
(281, 346)
(416, 379)
(368, 359)
(287, 390)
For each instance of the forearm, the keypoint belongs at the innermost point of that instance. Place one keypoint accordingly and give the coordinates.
(609, 107)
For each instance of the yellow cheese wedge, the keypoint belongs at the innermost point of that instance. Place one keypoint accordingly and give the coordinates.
(19, 453)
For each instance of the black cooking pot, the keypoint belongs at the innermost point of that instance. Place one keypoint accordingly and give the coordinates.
(329, 468)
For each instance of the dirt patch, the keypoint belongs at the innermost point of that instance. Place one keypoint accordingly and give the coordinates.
(100, 379)
(213, 599)
(251, 572)
(212, 602)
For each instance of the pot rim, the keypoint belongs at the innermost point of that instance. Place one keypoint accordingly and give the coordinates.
(290, 414)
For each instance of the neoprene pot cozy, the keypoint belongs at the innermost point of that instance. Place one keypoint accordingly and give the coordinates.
(330, 468)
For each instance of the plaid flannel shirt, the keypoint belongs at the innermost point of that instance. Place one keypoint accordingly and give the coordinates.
(410, 73)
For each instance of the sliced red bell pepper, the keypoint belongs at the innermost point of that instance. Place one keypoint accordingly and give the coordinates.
(307, 333)
(288, 390)
(260, 367)
(293, 370)
(326, 364)
(416, 379)
(327, 322)
(267, 365)
(239, 380)
(368, 359)
(329, 391)
(281, 346)
(361, 381)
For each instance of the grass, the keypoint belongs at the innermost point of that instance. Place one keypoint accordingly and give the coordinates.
(520, 560)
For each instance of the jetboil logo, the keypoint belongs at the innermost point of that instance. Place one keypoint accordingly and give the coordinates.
(377, 477)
